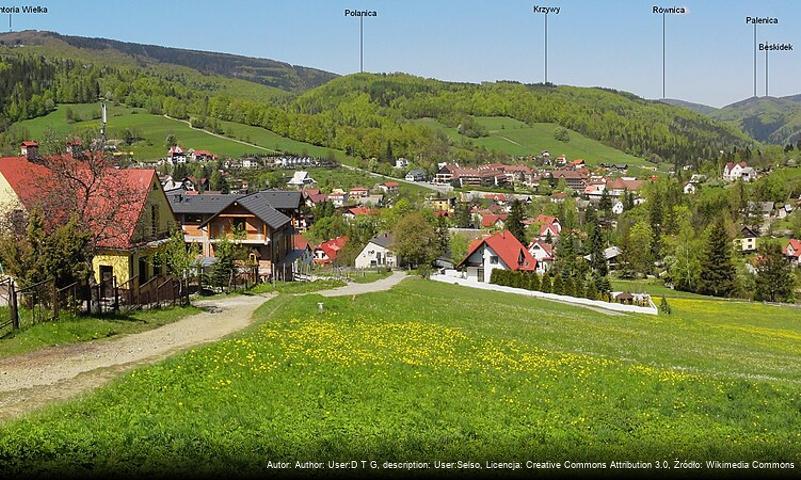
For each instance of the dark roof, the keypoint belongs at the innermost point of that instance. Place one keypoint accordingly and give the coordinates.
(260, 205)
(382, 239)
(209, 203)
(281, 199)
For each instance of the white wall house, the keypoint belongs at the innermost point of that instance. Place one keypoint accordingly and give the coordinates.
(377, 253)
(501, 250)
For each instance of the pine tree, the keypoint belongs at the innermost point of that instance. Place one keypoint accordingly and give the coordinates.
(591, 292)
(514, 223)
(558, 284)
(463, 215)
(545, 283)
(569, 287)
(718, 274)
(534, 281)
(655, 216)
(774, 278)
(597, 257)
(606, 203)
(664, 307)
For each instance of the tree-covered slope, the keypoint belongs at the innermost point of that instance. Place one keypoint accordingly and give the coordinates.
(767, 119)
(260, 70)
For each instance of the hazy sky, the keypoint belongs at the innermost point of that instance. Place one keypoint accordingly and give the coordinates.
(610, 43)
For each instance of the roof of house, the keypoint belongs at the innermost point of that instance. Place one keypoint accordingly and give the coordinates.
(32, 182)
(29, 143)
(748, 232)
(332, 247)
(204, 203)
(260, 204)
(545, 246)
(391, 184)
(383, 239)
(358, 211)
(491, 219)
(281, 199)
(513, 254)
(299, 242)
(796, 245)
(629, 184)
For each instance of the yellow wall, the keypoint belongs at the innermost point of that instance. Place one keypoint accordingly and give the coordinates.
(166, 219)
(8, 198)
(118, 261)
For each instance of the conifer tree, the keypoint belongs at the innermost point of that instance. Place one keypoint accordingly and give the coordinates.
(514, 223)
(774, 278)
(718, 274)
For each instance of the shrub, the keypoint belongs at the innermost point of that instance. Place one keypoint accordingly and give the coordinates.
(558, 286)
(533, 281)
(545, 283)
(664, 307)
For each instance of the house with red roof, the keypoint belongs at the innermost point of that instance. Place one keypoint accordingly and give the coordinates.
(499, 251)
(326, 253)
(549, 226)
(127, 213)
(793, 251)
(358, 192)
(389, 187)
(351, 213)
(492, 220)
(543, 252)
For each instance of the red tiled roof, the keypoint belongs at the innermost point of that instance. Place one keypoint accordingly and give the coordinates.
(545, 246)
(513, 254)
(33, 183)
(623, 184)
(796, 244)
(391, 184)
(490, 219)
(29, 143)
(362, 211)
(546, 219)
(332, 247)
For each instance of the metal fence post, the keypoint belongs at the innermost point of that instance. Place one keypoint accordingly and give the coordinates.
(56, 300)
(116, 294)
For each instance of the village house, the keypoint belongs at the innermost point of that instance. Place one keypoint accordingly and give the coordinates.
(267, 219)
(549, 227)
(358, 192)
(576, 179)
(623, 185)
(351, 213)
(176, 155)
(499, 251)
(203, 156)
(416, 175)
(301, 257)
(793, 251)
(338, 197)
(690, 188)
(401, 163)
(738, 171)
(618, 207)
(442, 204)
(301, 179)
(129, 214)
(491, 220)
(326, 253)
(377, 253)
(612, 255)
(542, 251)
(389, 187)
(747, 240)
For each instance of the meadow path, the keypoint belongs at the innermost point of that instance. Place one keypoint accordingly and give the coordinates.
(56, 373)
(360, 288)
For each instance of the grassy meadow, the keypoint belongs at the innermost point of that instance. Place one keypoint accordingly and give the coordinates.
(517, 138)
(429, 370)
(155, 128)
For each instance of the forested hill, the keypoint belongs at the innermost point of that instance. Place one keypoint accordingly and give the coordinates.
(640, 127)
(767, 119)
(365, 115)
(267, 72)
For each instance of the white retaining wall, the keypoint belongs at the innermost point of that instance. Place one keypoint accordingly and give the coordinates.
(455, 278)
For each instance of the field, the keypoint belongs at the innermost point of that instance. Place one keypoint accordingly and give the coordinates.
(432, 371)
(517, 138)
(155, 128)
(71, 329)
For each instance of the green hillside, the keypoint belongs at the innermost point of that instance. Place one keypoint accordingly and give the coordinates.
(767, 119)
(516, 138)
(429, 371)
(154, 130)
(278, 75)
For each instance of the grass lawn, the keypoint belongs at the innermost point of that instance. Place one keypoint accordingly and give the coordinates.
(81, 329)
(517, 138)
(433, 371)
(366, 276)
(297, 287)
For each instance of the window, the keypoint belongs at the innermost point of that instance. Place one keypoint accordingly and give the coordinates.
(494, 260)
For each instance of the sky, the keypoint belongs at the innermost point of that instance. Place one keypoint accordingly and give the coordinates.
(609, 43)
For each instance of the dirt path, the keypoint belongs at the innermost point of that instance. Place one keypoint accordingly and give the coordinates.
(360, 288)
(58, 373)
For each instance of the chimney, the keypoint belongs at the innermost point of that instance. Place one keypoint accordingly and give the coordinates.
(29, 149)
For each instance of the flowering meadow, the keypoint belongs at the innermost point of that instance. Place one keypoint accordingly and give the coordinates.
(433, 371)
